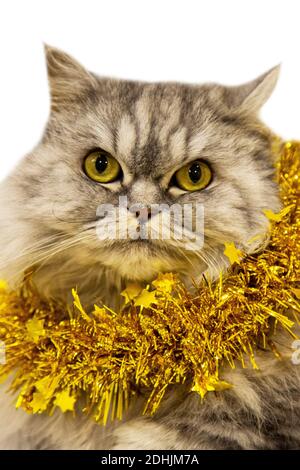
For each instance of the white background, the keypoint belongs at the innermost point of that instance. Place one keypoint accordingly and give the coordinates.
(229, 41)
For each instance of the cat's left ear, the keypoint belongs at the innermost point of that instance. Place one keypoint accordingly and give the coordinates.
(68, 79)
(251, 96)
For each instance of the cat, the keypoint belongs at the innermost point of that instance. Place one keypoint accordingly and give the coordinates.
(146, 135)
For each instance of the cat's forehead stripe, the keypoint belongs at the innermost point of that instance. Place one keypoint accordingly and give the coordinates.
(177, 143)
(142, 114)
(170, 115)
(126, 137)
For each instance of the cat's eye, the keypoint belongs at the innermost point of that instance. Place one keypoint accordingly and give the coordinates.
(194, 176)
(100, 166)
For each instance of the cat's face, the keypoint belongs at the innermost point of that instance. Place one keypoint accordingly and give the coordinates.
(151, 130)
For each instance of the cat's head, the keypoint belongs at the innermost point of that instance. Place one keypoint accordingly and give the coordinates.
(108, 138)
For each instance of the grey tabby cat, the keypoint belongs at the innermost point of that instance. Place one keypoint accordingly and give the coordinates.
(145, 133)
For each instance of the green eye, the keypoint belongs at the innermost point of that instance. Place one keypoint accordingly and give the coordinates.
(194, 176)
(100, 166)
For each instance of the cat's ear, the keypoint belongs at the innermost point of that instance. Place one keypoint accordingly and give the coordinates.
(251, 96)
(67, 78)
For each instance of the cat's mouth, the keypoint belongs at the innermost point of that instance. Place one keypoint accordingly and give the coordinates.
(132, 258)
(144, 259)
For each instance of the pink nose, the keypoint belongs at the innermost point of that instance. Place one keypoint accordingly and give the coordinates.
(143, 214)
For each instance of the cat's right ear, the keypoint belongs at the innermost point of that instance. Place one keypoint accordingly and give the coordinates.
(251, 96)
(68, 79)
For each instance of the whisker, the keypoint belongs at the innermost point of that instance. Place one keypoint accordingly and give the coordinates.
(37, 246)
(41, 256)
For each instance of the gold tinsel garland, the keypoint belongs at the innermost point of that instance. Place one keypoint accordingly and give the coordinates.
(164, 334)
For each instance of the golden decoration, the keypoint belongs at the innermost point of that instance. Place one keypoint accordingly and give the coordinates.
(233, 254)
(97, 361)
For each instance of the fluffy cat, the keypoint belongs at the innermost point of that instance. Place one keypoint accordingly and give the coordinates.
(48, 220)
